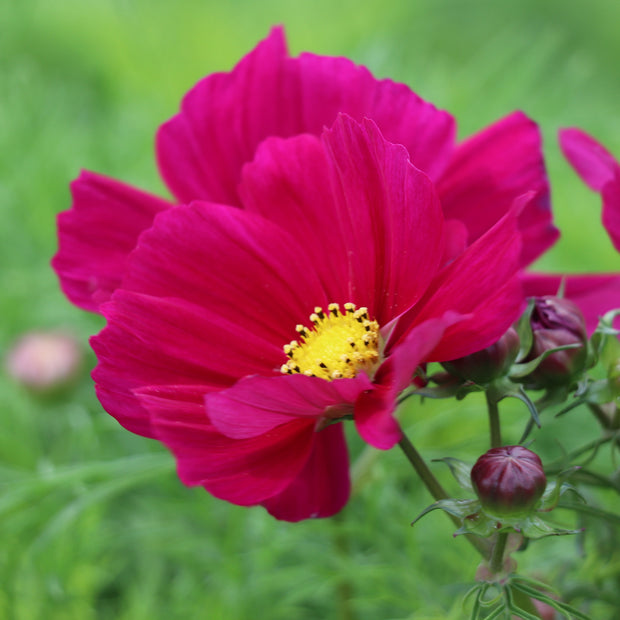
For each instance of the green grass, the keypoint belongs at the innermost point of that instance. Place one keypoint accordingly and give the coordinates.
(93, 521)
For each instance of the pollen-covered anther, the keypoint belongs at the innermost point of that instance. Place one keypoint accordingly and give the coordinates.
(338, 345)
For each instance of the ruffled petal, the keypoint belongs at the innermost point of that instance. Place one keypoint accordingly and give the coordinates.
(374, 409)
(97, 234)
(592, 162)
(595, 294)
(202, 149)
(329, 86)
(256, 405)
(373, 221)
(211, 295)
(322, 488)
(491, 169)
(491, 296)
(236, 264)
(224, 117)
(244, 472)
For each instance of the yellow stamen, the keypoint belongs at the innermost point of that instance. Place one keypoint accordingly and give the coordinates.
(339, 344)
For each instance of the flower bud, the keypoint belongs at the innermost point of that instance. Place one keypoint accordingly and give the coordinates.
(509, 481)
(44, 361)
(556, 322)
(484, 366)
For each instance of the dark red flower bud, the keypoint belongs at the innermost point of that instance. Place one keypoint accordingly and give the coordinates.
(556, 322)
(490, 363)
(509, 480)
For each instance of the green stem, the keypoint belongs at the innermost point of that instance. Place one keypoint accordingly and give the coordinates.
(426, 475)
(567, 460)
(602, 418)
(497, 556)
(494, 424)
(435, 489)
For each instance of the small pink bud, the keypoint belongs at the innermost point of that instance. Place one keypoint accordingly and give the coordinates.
(546, 612)
(509, 480)
(43, 361)
(556, 322)
(484, 366)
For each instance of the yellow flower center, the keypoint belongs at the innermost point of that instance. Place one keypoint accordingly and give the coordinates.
(339, 344)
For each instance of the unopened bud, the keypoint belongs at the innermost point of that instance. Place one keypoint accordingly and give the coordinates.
(557, 322)
(509, 481)
(484, 366)
(43, 361)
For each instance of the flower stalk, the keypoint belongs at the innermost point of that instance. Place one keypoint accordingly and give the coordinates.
(497, 555)
(435, 489)
(494, 423)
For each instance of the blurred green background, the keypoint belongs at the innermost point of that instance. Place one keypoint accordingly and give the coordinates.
(93, 521)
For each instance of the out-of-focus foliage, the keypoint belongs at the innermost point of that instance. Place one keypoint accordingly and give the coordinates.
(93, 522)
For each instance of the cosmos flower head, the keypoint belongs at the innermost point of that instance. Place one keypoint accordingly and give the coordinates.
(298, 281)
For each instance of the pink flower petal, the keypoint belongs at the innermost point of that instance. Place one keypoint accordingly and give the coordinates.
(244, 472)
(235, 263)
(600, 171)
(592, 162)
(374, 409)
(491, 169)
(322, 488)
(256, 405)
(491, 296)
(611, 209)
(183, 321)
(224, 117)
(595, 294)
(97, 234)
(379, 226)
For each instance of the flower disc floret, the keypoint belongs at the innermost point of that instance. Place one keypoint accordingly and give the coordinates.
(339, 345)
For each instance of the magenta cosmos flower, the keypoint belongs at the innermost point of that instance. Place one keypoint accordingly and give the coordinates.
(225, 117)
(238, 337)
(298, 281)
(594, 293)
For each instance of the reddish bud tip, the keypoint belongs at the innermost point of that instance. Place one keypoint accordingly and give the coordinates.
(556, 322)
(509, 480)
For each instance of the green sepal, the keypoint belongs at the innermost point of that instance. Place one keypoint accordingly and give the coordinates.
(523, 327)
(601, 335)
(457, 389)
(523, 369)
(460, 470)
(534, 527)
(481, 524)
(556, 489)
(460, 508)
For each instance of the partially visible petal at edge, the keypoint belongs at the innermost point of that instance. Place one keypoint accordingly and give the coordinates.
(256, 405)
(611, 209)
(97, 234)
(244, 472)
(492, 168)
(322, 487)
(592, 162)
(595, 294)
